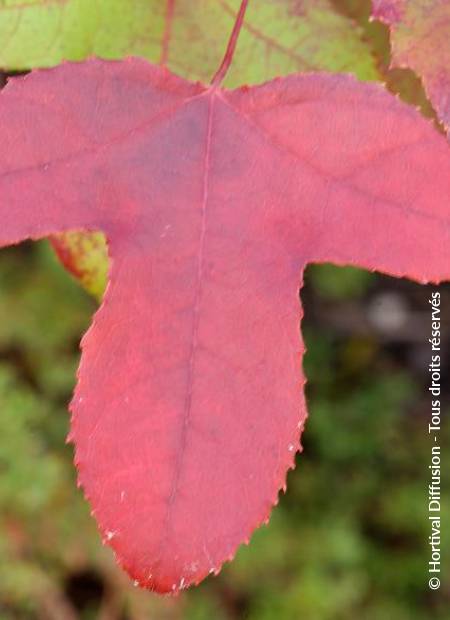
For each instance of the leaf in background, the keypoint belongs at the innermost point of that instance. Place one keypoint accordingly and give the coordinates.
(402, 82)
(189, 37)
(277, 39)
(85, 255)
(420, 35)
(189, 404)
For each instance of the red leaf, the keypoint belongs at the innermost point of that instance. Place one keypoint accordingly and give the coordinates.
(189, 402)
(420, 35)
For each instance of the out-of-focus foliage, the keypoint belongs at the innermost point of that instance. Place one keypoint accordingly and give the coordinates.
(411, 23)
(92, 263)
(189, 37)
(349, 540)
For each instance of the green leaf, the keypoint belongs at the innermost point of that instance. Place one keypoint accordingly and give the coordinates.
(278, 37)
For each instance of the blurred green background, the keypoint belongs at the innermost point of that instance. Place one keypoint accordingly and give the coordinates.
(348, 540)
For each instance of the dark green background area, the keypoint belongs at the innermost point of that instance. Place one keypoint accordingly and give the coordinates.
(348, 540)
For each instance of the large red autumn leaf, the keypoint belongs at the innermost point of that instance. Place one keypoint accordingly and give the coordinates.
(189, 403)
(188, 37)
(420, 35)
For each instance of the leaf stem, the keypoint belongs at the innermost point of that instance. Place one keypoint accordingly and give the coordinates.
(226, 62)
(170, 6)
